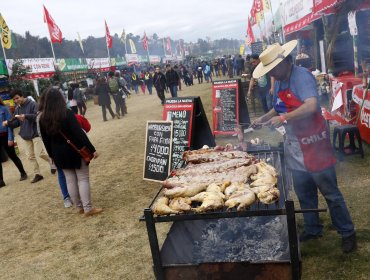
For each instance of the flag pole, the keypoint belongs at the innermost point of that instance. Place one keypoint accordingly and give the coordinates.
(164, 50)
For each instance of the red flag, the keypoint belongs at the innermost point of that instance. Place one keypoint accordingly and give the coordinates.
(168, 46)
(145, 42)
(54, 30)
(108, 38)
(250, 36)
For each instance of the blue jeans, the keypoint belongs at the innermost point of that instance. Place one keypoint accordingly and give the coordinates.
(269, 98)
(62, 183)
(173, 90)
(306, 185)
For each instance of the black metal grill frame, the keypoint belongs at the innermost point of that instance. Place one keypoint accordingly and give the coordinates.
(285, 206)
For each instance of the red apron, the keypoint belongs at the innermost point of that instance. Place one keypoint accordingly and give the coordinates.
(312, 135)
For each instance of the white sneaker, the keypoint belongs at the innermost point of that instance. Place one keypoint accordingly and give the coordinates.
(67, 202)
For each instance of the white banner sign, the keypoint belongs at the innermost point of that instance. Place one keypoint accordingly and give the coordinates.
(132, 58)
(296, 9)
(35, 65)
(97, 63)
(155, 59)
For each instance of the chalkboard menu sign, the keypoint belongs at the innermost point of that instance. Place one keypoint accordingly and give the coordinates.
(257, 47)
(225, 113)
(190, 126)
(158, 147)
(180, 112)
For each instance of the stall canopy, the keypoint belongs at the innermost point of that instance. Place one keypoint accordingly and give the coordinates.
(38, 67)
(319, 6)
(298, 14)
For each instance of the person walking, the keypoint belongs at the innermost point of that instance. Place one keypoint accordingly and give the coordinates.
(80, 97)
(102, 91)
(114, 89)
(25, 118)
(7, 143)
(200, 73)
(229, 66)
(149, 82)
(159, 83)
(308, 151)
(261, 87)
(57, 124)
(172, 80)
(135, 82)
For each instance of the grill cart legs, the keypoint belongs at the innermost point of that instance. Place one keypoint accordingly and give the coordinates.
(154, 247)
(293, 240)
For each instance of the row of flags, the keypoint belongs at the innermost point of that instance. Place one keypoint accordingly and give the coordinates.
(56, 36)
(259, 7)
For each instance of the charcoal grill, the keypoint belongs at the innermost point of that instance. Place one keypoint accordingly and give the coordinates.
(193, 268)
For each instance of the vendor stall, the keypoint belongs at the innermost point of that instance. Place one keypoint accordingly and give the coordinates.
(361, 99)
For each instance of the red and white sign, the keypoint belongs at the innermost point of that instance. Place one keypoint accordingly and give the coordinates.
(358, 96)
(298, 14)
(38, 67)
(154, 58)
(54, 30)
(99, 63)
(320, 6)
(132, 58)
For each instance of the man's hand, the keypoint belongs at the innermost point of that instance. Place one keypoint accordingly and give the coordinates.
(257, 123)
(5, 123)
(275, 122)
(10, 143)
(20, 117)
(95, 154)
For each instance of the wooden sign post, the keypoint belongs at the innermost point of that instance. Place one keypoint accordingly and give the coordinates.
(158, 146)
(190, 126)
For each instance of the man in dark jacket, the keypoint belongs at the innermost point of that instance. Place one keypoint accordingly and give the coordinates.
(159, 82)
(172, 79)
(25, 118)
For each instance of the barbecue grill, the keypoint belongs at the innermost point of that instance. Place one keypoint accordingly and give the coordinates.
(259, 242)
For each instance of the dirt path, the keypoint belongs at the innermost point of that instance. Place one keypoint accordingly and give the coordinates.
(40, 239)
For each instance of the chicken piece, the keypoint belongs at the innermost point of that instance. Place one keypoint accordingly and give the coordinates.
(263, 167)
(234, 187)
(211, 201)
(181, 204)
(216, 188)
(260, 189)
(161, 207)
(264, 181)
(270, 196)
(185, 191)
(241, 198)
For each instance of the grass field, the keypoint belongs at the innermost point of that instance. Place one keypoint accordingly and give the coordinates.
(40, 239)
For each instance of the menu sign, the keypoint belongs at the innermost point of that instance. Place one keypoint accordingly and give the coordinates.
(158, 146)
(257, 47)
(180, 112)
(225, 105)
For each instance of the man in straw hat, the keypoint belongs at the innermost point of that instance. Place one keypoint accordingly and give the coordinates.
(306, 142)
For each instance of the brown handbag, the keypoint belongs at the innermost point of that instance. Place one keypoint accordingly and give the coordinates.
(84, 152)
(96, 99)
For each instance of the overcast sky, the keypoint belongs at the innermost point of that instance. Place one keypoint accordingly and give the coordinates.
(184, 19)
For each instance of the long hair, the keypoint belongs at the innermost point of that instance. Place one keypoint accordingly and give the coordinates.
(54, 111)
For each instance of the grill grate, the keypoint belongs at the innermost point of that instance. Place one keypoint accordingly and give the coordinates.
(257, 209)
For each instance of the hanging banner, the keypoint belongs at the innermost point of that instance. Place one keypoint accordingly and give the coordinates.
(71, 64)
(320, 6)
(132, 58)
(154, 59)
(143, 58)
(38, 67)
(298, 14)
(98, 63)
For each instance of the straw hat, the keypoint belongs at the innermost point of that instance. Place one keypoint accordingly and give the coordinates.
(272, 56)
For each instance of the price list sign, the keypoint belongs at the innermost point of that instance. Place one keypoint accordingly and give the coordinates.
(158, 146)
(180, 112)
(225, 105)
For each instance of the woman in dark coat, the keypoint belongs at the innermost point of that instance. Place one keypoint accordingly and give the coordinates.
(102, 91)
(57, 124)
